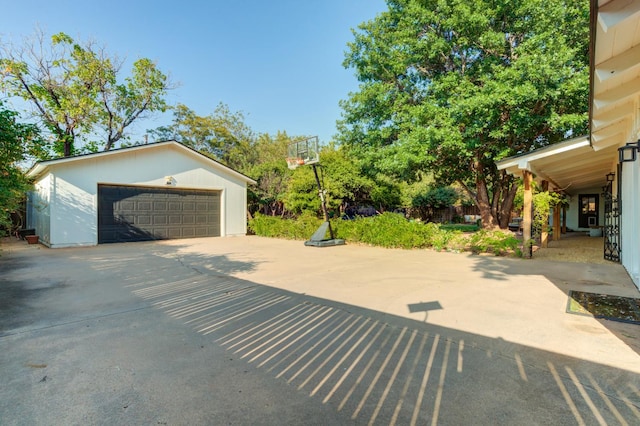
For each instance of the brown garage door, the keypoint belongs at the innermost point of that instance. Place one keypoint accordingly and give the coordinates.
(132, 213)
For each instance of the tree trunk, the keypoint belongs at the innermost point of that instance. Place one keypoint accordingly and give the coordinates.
(485, 207)
(507, 206)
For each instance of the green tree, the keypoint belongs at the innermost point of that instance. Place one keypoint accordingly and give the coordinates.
(452, 86)
(17, 142)
(74, 91)
(435, 198)
(223, 134)
(271, 174)
(341, 178)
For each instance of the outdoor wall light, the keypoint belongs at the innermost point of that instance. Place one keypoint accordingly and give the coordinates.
(611, 177)
(628, 152)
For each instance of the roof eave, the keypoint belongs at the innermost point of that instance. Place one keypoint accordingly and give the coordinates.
(41, 167)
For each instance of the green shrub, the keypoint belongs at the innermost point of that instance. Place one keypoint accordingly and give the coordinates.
(389, 230)
(293, 229)
(496, 242)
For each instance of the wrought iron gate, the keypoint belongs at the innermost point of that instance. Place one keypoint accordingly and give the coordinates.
(611, 227)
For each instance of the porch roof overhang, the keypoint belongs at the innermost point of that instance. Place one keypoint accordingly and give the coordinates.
(615, 73)
(614, 106)
(569, 166)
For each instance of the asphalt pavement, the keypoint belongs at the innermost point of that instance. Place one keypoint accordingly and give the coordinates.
(256, 331)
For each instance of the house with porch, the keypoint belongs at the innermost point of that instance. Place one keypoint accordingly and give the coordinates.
(600, 172)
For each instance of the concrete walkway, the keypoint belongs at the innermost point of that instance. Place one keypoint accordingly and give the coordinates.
(279, 333)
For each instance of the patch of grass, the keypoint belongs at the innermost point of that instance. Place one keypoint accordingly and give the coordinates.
(460, 227)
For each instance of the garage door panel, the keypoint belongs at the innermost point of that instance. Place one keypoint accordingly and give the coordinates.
(160, 220)
(143, 220)
(202, 219)
(174, 233)
(142, 214)
(127, 205)
(201, 231)
(143, 205)
(160, 233)
(160, 206)
(130, 218)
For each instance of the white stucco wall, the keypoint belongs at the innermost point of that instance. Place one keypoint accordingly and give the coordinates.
(574, 209)
(39, 209)
(75, 185)
(630, 220)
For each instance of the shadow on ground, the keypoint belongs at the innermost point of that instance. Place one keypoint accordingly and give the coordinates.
(365, 365)
(380, 368)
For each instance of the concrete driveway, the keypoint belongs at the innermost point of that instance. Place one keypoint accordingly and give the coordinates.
(260, 331)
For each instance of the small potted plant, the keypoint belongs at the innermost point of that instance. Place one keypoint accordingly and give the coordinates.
(31, 239)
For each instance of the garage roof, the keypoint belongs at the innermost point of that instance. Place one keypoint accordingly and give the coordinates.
(42, 166)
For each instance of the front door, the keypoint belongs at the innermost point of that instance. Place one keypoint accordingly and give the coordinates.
(588, 214)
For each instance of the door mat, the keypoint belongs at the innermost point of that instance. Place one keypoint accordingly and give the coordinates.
(615, 308)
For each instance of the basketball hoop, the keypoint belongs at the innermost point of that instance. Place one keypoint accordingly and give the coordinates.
(306, 152)
(292, 163)
(302, 153)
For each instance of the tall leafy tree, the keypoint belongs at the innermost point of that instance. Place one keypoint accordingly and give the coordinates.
(341, 178)
(223, 134)
(452, 86)
(74, 89)
(270, 171)
(18, 142)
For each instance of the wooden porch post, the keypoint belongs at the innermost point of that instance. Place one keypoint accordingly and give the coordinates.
(564, 219)
(544, 237)
(527, 178)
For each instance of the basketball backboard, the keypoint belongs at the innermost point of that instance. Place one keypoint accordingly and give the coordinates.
(303, 152)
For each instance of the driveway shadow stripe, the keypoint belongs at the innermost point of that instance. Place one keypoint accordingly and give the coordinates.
(388, 372)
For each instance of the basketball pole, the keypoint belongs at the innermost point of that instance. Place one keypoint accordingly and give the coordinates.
(305, 152)
(322, 200)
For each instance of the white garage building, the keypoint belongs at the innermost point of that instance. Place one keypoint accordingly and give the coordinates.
(155, 191)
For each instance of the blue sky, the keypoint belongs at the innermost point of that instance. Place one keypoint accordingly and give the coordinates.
(278, 61)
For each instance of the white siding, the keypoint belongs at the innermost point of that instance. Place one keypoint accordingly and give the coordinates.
(73, 214)
(39, 209)
(74, 205)
(630, 222)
